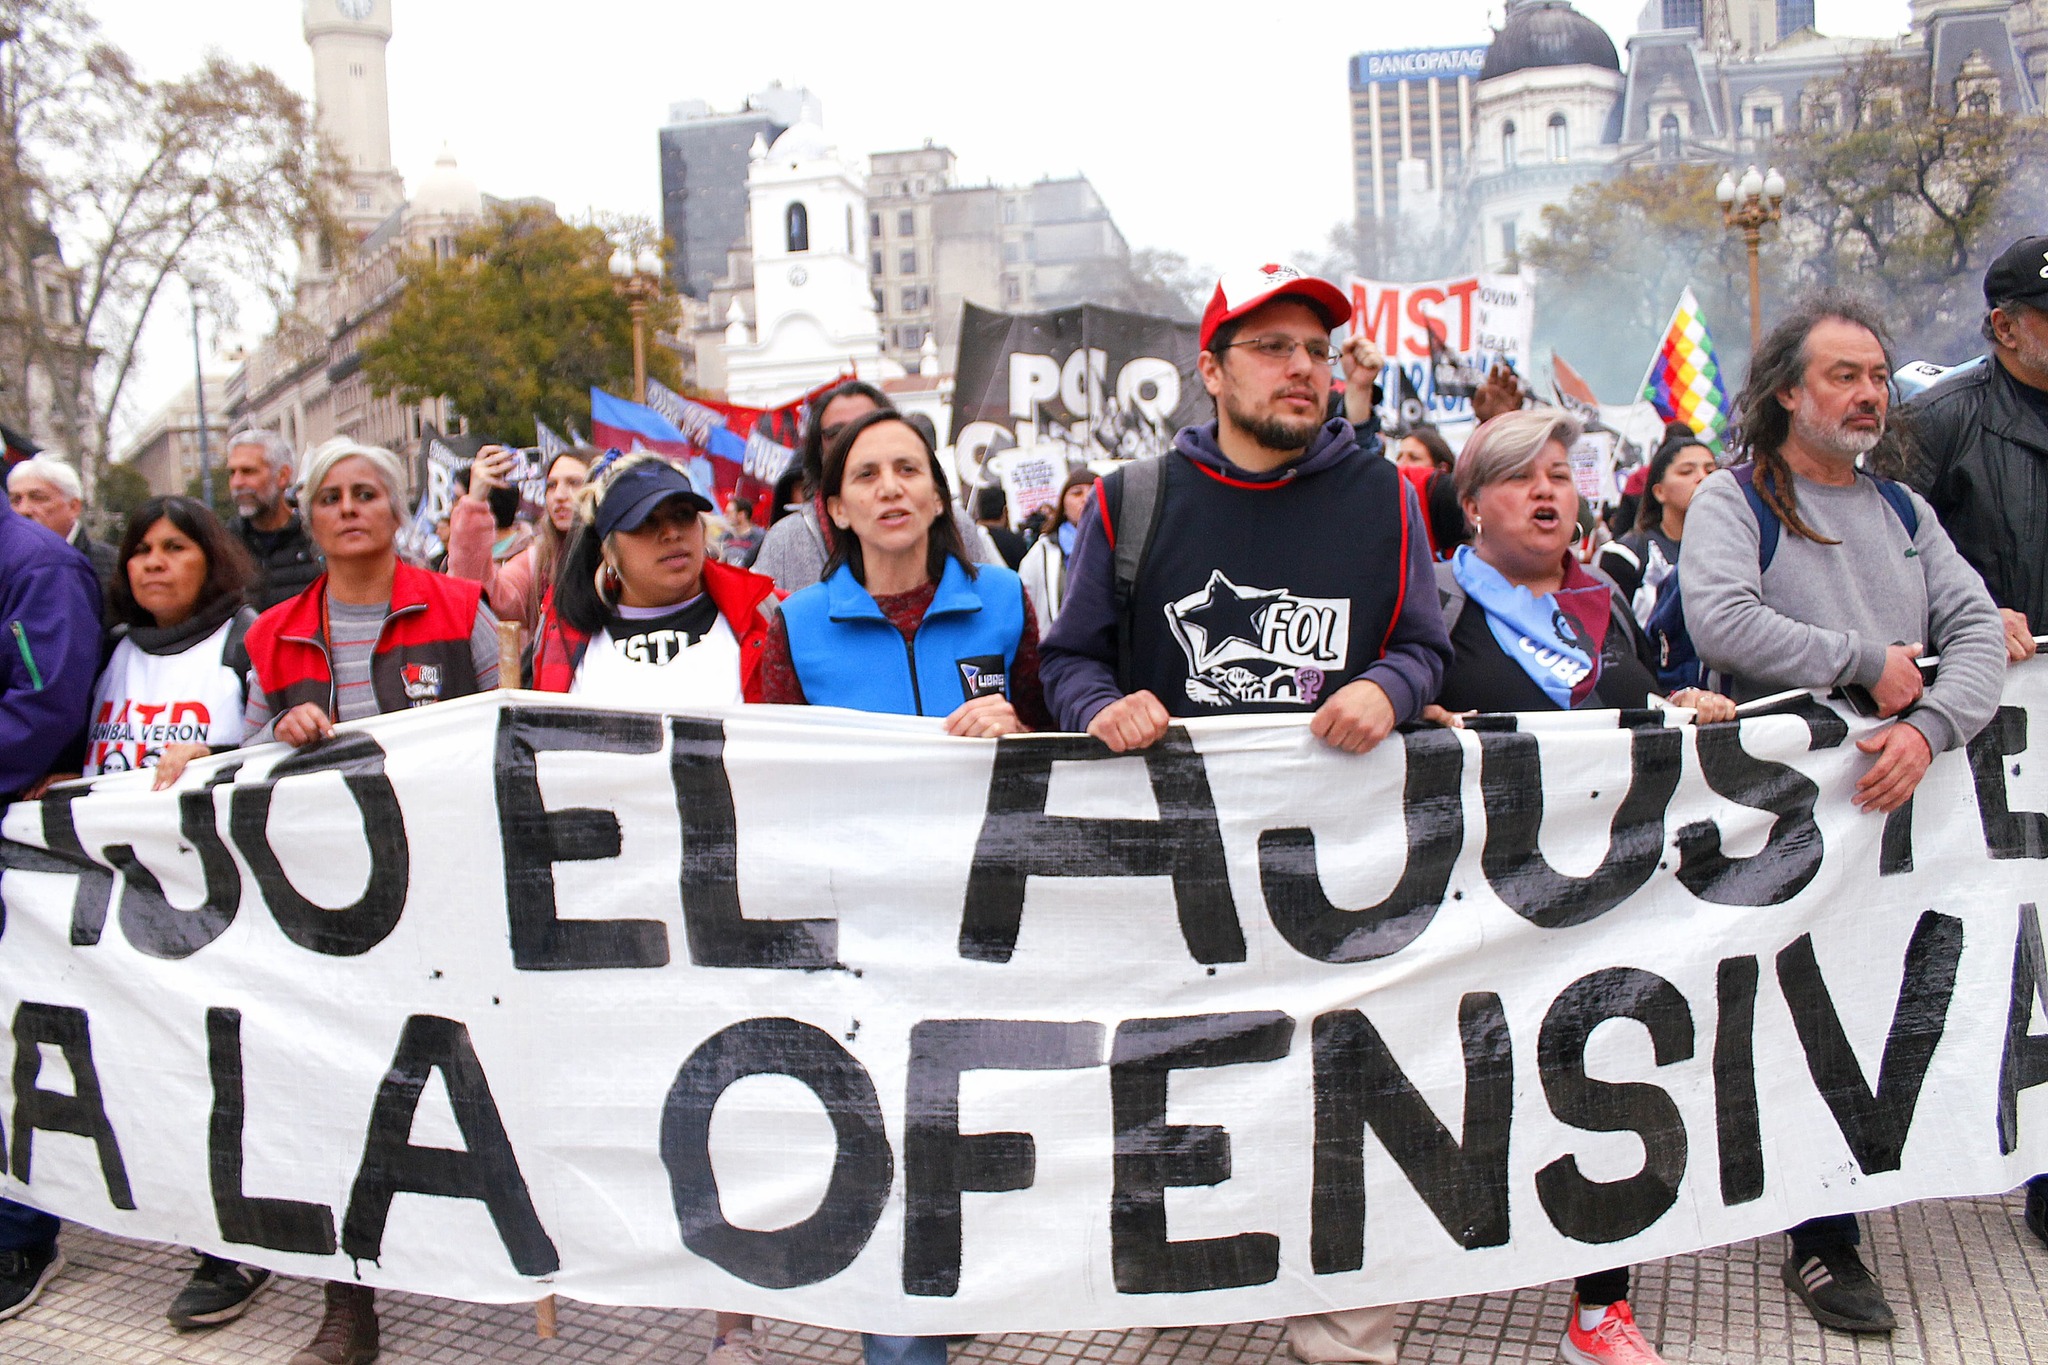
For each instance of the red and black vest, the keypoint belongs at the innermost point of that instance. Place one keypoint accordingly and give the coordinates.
(422, 653)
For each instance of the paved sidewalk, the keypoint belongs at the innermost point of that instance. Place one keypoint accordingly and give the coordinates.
(1969, 1282)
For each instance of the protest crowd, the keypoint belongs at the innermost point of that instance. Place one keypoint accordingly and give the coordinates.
(1837, 542)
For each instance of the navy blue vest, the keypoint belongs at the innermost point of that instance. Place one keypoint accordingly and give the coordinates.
(1261, 597)
(847, 654)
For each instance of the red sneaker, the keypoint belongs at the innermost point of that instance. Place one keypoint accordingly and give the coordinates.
(1616, 1341)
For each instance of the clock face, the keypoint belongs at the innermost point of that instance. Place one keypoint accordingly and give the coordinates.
(357, 10)
(798, 275)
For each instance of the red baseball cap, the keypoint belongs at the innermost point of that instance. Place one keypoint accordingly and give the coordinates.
(1240, 291)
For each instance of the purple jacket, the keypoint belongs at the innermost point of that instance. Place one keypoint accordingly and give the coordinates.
(50, 620)
(1078, 657)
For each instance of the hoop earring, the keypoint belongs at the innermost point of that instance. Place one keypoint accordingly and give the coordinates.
(609, 584)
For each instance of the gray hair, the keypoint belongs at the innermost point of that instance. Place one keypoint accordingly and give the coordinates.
(277, 452)
(322, 459)
(51, 471)
(1506, 445)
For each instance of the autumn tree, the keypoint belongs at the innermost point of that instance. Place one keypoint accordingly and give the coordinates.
(207, 178)
(521, 320)
(1899, 196)
(1613, 259)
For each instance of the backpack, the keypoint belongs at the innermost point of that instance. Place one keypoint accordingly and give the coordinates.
(1678, 663)
(1138, 489)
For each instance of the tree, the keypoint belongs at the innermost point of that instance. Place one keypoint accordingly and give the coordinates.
(121, 490)
(1165, 284)
(1613, 259)
(222, 502)
(1415, 245)
(522, 320)
(206, 178)
(1899, 197)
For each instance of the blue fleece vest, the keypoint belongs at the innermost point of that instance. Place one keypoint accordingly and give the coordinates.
(847, 654)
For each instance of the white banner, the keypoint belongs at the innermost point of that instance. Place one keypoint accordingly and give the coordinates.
(1484, 319)
(835, 1019)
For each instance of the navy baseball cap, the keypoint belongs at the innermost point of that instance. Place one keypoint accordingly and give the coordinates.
(633, 494)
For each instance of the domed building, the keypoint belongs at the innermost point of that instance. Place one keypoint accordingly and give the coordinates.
(305, 381)
(1489, 137)
(1545, 118)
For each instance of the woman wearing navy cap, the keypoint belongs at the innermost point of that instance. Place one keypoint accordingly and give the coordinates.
(638, 615)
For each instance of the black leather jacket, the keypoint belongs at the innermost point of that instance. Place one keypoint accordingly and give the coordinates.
(1983, 465)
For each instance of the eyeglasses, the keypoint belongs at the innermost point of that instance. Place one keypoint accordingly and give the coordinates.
(1280, 349)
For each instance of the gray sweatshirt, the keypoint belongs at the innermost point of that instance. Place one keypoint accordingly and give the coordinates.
(1822, 615)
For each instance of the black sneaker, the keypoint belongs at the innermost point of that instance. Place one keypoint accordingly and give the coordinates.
(219, 1291)
(1839, 1291)
(23, 1273)
(2037, 1209)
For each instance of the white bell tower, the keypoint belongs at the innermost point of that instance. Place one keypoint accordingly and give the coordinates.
(353, 104)
(814, 308)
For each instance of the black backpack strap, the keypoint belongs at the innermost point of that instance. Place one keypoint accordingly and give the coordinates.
(234, 652)
(1133, 496)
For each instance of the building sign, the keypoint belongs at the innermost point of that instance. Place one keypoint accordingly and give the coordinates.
(1416, 64)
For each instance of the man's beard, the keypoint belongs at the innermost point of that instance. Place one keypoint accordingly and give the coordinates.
(250, 506)
(2033, 357)
(1838, 441)
(1274, 433)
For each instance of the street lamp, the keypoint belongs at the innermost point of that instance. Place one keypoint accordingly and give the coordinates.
(1748, 204)
(637, 279)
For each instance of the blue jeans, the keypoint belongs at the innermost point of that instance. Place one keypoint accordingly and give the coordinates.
(25, 1229)
(880, 1350)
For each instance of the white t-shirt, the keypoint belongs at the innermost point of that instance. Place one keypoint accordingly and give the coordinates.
(145, 701)
(678, 656)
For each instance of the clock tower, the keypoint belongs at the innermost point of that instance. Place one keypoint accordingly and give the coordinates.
(814, 305)
(353, 104)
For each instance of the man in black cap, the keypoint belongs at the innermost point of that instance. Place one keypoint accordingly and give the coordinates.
(1982, 433)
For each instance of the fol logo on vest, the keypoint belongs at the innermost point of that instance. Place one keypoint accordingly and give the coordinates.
(983, 676)
(422, 682)
(1248, 644)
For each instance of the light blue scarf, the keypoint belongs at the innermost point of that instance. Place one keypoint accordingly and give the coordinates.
(1533, 631)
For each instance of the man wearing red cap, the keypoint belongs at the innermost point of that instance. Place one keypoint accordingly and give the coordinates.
(1267, 564)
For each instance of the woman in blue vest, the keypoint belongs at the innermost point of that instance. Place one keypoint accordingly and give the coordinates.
(902, 622)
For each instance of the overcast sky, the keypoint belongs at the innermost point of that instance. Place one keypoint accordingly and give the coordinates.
(1210, 130)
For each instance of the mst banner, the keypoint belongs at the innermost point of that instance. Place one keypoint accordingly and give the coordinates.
(1040, 391)
(835, 1019)
(1482, 320)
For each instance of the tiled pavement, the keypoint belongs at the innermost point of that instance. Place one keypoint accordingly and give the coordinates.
(1969, 1282)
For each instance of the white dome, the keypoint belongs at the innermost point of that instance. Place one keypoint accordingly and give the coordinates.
(804, 141)
(446, 192)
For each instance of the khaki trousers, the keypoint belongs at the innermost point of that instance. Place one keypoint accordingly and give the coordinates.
(1363, 1335)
